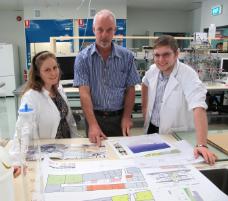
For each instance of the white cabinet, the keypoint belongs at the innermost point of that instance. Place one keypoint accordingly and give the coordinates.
(9, 67)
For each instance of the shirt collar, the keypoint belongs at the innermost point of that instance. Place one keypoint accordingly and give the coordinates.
(114, 53)
(46, 92)
(163, 77)
(94, 49)
(175, 69)
(173, 73)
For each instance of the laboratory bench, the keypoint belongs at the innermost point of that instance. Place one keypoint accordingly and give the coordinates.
(217, 105)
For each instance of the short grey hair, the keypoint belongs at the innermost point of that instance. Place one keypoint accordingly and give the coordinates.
(106, 13)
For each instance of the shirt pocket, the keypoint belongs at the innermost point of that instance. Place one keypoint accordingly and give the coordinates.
(118, 79)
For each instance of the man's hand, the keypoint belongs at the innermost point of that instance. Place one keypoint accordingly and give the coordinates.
(208, 156)
(126, 124)
(96, 135)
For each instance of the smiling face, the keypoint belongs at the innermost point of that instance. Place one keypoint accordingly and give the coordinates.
(165, 58)
(104, 29)
(49, 72)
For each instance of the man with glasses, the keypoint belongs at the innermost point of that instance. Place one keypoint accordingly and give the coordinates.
(173, 97)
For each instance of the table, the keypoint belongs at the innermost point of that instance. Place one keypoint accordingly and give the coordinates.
(71, 92)
(190, 137)
(110, 155)
(74, 97)
(216, 86)
(32, 166)
(217, 174)
(217, 99)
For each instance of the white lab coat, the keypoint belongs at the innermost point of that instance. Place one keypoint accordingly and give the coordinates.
(184, 92)
(46, 117)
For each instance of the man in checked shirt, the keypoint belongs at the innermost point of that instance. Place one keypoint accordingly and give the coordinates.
(106, 76)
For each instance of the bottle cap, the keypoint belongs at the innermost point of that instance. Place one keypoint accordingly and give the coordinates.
(25, 109)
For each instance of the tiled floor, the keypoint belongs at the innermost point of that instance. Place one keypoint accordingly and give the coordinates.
(8, 120)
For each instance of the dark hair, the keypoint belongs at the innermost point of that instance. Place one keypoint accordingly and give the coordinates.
(35, 81)
(219, 44)
(166, 40)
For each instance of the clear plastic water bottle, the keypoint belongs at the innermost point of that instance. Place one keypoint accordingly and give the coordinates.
(25, 132)
(25, 129)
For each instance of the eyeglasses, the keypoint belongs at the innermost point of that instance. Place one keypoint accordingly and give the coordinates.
(164, 55)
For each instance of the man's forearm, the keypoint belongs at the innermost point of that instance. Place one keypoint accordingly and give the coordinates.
(87, 106)
(200, 119)
(129, 101)
(144, 99)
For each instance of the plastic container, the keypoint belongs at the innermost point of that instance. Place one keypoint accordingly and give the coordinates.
(25, 132)
(27, 138)
(212, 31)
(25, 129)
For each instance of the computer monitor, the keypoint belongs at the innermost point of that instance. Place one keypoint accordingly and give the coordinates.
(66, 64)
(224, 65)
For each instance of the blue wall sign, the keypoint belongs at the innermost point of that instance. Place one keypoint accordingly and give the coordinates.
(38, 31)
(216, 10)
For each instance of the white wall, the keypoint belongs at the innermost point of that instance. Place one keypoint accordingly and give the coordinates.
(142, 20)
(207, 18)
(75, 11)
(195, 20)
(139, 20)
(12, 31)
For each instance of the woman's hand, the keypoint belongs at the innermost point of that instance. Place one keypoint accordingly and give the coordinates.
(16, 171)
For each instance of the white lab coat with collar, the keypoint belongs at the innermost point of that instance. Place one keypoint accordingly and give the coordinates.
(184, 92)
(46, 118)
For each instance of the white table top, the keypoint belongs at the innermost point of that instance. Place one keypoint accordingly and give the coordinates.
(110, 155)
(209, 85)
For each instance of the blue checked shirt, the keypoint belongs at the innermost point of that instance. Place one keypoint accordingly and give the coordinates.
(107, 80)
(162, 82)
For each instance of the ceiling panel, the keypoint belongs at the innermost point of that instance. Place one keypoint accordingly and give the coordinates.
(149, 4)
(184, 5)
